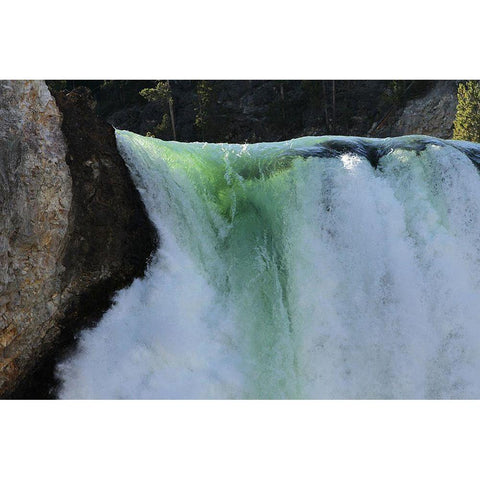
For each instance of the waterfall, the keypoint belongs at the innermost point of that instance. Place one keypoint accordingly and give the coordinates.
(321, 267)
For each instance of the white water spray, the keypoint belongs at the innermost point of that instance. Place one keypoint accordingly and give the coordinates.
(323, 267)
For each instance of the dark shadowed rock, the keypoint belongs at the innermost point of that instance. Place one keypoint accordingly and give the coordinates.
(110, 233)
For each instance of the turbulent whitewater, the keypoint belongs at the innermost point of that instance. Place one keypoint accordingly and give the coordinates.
(321, 267)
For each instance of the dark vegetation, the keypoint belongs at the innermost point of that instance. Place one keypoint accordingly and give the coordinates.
(467, 120)
(248, 110)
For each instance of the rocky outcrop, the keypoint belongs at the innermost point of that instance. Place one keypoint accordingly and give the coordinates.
(35, 201)
(74, 229)
(433, 114)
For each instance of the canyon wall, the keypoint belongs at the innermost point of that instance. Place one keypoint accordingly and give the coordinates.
(73, 229)
(431, 114)
(35, 201)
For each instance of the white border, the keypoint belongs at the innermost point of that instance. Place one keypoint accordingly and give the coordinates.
(251, 39)
(240, 439)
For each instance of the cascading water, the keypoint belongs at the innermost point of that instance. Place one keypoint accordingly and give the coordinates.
(322, 267)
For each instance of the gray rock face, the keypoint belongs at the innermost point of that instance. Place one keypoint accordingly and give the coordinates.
(35, 200)
(431, 115)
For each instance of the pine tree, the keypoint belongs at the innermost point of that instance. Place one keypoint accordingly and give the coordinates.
(162, 92)
(467, 121)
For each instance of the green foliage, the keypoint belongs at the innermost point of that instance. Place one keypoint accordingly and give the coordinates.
(161, 92)
(160, 129)
(204, 97)
(467, 121)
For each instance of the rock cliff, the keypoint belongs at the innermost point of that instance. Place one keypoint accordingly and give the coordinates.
(73, 229)
(35, 201)
(432, 114)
